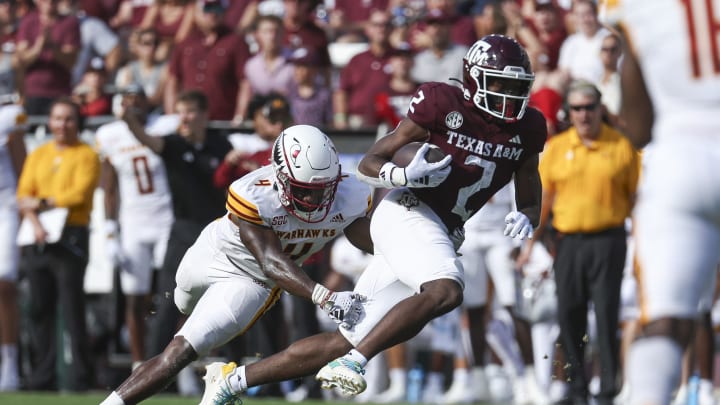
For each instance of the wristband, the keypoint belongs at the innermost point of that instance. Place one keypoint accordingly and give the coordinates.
(320, 295)
(392, 175)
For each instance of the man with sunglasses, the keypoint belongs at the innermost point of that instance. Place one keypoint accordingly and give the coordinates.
(589, 175)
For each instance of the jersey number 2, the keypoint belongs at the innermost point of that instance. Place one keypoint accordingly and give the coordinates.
(465, 193)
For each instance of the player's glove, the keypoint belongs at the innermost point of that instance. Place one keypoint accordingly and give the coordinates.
(344, 307)
(457, 237)
(420, 173)
(517, 225)
(113, 249)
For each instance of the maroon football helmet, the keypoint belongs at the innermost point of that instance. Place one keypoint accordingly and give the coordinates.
(497, 77)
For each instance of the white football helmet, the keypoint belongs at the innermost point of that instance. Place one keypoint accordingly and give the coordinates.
(307, 169)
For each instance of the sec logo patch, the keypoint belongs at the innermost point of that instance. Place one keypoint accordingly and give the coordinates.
(454, 120)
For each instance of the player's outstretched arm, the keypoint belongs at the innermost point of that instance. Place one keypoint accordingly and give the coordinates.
(344, 307)
(131, 116)
(636, 108)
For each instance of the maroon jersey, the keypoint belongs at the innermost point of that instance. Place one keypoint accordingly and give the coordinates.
(485, 151)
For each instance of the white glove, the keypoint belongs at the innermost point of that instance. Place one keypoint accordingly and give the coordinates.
(517, 225)
(113, 249)
(420, 173)
(344, 307)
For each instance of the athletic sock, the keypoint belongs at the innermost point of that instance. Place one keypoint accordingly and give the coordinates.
(237, 380)
(356, 356)
(113, 399)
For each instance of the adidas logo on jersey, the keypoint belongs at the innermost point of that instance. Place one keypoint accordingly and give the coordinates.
(338, 218)
(516, 139)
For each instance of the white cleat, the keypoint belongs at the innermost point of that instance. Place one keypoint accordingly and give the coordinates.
(344, 374)
(217, 389)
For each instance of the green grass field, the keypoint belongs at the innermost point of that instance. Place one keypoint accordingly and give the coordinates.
(95, 398)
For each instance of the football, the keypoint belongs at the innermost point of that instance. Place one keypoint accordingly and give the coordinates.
(405, 154)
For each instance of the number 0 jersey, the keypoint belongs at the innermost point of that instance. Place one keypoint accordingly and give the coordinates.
(253, 198)
(142, 180)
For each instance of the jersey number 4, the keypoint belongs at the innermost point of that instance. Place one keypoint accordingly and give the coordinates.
(703, 29)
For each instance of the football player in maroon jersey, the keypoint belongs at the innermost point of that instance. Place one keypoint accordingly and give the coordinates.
(489, 136)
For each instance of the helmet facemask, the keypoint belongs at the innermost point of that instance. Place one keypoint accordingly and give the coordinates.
(309, 202)
(502, 94)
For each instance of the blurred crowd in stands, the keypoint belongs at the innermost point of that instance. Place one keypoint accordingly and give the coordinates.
(341, 65)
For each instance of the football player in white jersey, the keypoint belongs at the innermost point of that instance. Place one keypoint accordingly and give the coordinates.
(138, 202)
(12, 156)
(671, 96)
(237, 269)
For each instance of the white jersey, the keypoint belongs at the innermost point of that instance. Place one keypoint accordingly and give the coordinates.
(680, 67)
(142, 180)
(253, 198)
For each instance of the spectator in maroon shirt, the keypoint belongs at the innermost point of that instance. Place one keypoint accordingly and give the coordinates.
(47, 49)
(302, 32)
(102, 9)
(347, 19)
(364, 76)
(212, 62)
(462, 28)
(547, 24)
(392, 103)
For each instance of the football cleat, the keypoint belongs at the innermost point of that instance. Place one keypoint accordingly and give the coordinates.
(344, 374)
(217, 389)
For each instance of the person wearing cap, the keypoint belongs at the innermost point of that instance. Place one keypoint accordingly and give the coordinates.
(268, 70)
(62, 173)
(213, 63)
(442, 60)
(310, 102)
(12, 156)
(270, 114)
